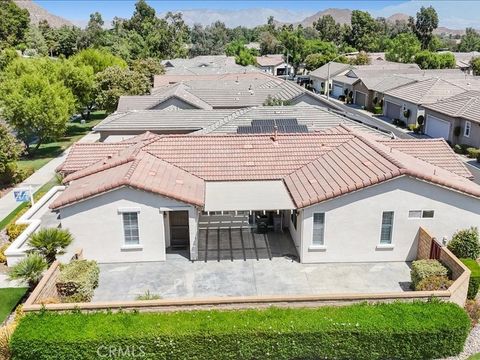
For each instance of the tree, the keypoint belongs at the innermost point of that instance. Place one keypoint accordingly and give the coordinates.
(10, 151)
(475, 63)
(210, 40)
(35, 41)
(362, 58)
(328, 29)
(99, 60)
(67, 40)
(50, 242)
(269, 44)
(426, 22)
(94, 35)
(430, 60)
(364, 31)
(13, 23)
(7, 56)
(49, 35)
(148, 67)
(403, 48)
(465, 243)
(470, 41)
(37, 107)
(29, 269)
(80, 80)
(314, 61)
(114, 82)
(294, 45)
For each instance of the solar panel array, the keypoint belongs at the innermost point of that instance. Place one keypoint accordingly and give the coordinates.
(269, 126)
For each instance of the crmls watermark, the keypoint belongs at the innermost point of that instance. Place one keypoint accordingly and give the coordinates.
(114, 351)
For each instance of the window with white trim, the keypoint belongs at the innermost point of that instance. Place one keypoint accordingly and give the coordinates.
(387, 228)
(468, 129)
(318, 229)
(418, 214)
(130, 228)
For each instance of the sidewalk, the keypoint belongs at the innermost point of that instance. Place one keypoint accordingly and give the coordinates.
(40, 177)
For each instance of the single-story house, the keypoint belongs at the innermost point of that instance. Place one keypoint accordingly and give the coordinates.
(123, 125)
(342, 195)
(274, 65)
(319, 76)
(456, 119)
(221, 94)
(205, 65)
(405, 102)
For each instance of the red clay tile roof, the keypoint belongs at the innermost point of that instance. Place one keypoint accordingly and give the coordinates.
(314, 166)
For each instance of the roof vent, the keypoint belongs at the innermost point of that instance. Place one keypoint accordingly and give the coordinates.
(367, 163)
(179, 181)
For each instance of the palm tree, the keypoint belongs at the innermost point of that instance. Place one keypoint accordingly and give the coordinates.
(29, 269)
(50, 242)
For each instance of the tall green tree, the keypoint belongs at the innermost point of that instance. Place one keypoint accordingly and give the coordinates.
(475, 62)
(364, 31)
(13, 23)
(210, 40)
(294, 46)
(470, 41)
(403, 48)
(328, 29)
(10, 151)
(148, 67)
(35, 42)
(269, 44)
(426, 22)
(114, 82)
(98, 59)
(7, 56)
(36, 107)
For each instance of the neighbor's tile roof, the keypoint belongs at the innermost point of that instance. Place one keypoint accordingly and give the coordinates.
(314, 166)
(270, 60)
(465, 105)
(169, 79)
(335, 69)
(426, 91)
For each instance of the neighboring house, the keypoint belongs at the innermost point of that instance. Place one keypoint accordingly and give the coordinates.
(319, 76)
(221, 94)
(408, 99)
(456, 119)
(342, 195)
(462, 60)
(205, 65)
(121, 126)
(274, 65)
(170, 79)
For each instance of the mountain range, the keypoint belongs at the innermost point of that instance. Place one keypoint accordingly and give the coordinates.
(229, 17)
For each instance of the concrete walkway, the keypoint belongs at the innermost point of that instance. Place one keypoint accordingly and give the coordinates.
(179, 278)
(40, 177)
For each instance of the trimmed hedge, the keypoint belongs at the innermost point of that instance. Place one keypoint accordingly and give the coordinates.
(77, 281)
(415, 330)
(474, 283)
(422, 269)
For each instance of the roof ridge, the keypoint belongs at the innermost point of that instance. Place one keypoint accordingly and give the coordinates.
(174, 165)
(93, 169)
(231, 116)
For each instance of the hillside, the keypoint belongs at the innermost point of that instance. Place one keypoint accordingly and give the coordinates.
(37, 14)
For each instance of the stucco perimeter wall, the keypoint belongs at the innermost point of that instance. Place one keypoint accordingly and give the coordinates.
(460, 273)
(353, 221)
(97, 225)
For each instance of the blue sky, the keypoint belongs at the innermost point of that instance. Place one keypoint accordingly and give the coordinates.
(456, 14)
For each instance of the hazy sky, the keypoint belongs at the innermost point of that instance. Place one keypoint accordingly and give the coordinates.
(453, 14)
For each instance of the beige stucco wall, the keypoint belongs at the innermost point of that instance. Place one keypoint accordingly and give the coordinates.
(415, 110)
(97, 225)
(353, 222)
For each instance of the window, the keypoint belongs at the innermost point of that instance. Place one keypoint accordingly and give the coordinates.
(417, 214)
(130, 228)
(468, 129)
(318, 229)
(387, 227)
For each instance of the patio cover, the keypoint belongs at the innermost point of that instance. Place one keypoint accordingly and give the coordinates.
(247, 195)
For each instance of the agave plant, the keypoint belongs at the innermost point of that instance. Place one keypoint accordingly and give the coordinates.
(29, 269)
(50, 242)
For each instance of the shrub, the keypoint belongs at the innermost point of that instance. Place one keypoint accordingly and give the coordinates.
(461, 148)
(458, 149)
(422, 269)
(457, 130)
(478, 158)
(50, 242)
(14, 230)
(472, 152)
(148, 296)
(411, 127)
(465, 243)
(474, 283)
(77, 281)
(434, 283)
(415, 330)
(378, 110)
(342, 98)
(472, 307)
(29, 269)
(406, 113)
(3, 248)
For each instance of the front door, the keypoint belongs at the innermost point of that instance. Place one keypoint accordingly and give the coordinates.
(179, 230)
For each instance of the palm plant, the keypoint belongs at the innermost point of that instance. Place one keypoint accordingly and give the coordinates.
(50, 242)
(29, 269)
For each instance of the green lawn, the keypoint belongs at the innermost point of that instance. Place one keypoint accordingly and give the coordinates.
(47, 152)
(474, 357)
(9, 298)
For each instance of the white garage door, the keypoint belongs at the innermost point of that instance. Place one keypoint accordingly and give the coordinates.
(393, 110)
(437, 128)
(337, 90)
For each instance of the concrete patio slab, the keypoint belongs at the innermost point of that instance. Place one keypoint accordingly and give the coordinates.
(179, 278)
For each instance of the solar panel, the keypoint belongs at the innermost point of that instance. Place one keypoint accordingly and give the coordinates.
(270, 122)
(284, 126)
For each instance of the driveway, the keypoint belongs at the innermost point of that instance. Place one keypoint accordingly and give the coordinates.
(179, 278)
